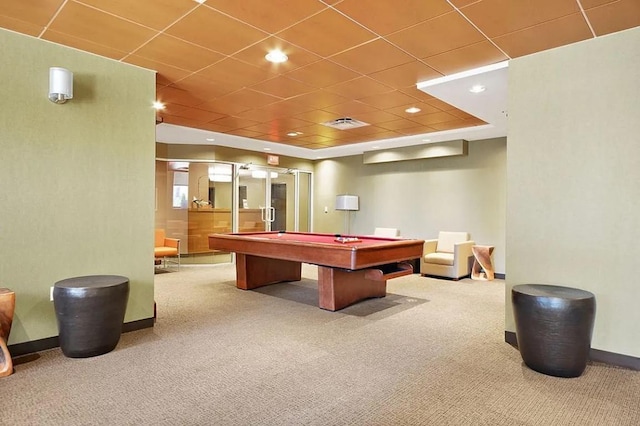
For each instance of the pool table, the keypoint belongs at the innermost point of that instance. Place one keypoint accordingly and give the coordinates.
(350, 269)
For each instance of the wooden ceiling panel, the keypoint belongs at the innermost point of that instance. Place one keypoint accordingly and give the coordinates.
(99, 27)
(213, 30)
(438, 35)
(347, 58)
(387, 100)
(255, 55)
(236, 73)
(374, 56)
(466, 58)
(384, 16)
(282, 87)
(198, 115)
(165, 74)
(614, 16)
(36, 12)
(359, 87)
(568, 29)
(319, 99)
(406, 75)
(157, 14)
(260, 13)
(82, 44)
(322, 74)
(327, 33)
(498, 17)
(20, 26)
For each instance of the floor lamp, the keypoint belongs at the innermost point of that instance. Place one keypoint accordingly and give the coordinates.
(347, 203)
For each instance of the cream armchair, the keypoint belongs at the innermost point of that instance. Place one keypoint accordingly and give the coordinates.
(448, 256)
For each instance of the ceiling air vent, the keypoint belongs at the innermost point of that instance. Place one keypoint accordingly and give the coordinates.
(345, 123)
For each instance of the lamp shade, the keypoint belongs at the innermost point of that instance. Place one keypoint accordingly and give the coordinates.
(347, 202)
(60, 85)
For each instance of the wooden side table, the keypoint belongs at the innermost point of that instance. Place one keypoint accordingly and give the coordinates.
(7, 307)
(482, 266)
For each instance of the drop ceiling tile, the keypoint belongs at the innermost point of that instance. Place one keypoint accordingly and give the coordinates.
(425, 108)
(384, 16)
(286, 108)
(615, 16)
(255, 55)
(374, 56)
(398, 125)
(349, 109)
(319, 99)
(234, 122)
(327, 33)
(260, 13)
(374, 117)
(172, 51)
(437, 35)
(223, 106)
(82, 44)
(420, 130)
(387, 100)
(449, 125)
(322, 74)
(181, 121)
(20, 26)
(436, 117)
(203, 87)
(462, 3)
(157, 14)
(588, 4)
(417, 94)
(568, 29)
(198, 115)
(466, 58)
(249, 98)
(441, 105)
(236, 73)
(216, 128)
(245, 133)
(172, 109)
(314, 139)
(165, 74)
(359, 88)
(282, 87)
(36, 12)
(406, 75)
(99, 27)
(213, 30)
(498, 17)
(168, 94)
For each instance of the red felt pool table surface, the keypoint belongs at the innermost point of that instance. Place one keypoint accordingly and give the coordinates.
(347, 271)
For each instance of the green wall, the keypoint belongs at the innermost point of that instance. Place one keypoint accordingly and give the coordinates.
(77, 179)
(420, 197)
(574, 172)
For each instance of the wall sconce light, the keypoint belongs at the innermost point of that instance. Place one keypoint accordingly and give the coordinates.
(60, 85)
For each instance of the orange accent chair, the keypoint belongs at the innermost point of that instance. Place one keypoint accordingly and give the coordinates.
(166, 248)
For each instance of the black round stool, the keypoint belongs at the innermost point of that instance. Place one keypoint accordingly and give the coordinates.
(90, 312)
(553, 327)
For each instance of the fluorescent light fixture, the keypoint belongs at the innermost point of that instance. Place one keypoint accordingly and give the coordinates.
(412, 110)
(276, 56)
(463, 74)
(262, 174)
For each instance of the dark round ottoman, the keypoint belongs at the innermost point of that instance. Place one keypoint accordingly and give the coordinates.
(90, 312)
(553, 327)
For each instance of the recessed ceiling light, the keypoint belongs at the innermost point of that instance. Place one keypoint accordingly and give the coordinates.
(266, 149)
(200, 1)
(426, 140)
(292, 134)
(158, 105)
(210, 139)
(276, 56)
(412, 110)
(477, 88)
(375, 147)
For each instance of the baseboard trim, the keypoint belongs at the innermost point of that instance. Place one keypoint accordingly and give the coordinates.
(596, 355)
(500, 276)
(33, 346)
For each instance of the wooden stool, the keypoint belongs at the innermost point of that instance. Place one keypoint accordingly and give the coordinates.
(482, 260)
(7, 307)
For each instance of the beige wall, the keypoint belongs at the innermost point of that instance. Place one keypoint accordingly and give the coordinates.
(77, 179)
(421, 197)
(573, 179)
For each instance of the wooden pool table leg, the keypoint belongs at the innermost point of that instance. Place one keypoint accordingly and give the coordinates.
(256, 271)
(339, 288)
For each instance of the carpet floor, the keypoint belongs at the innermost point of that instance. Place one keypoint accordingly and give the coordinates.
(431, 352)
